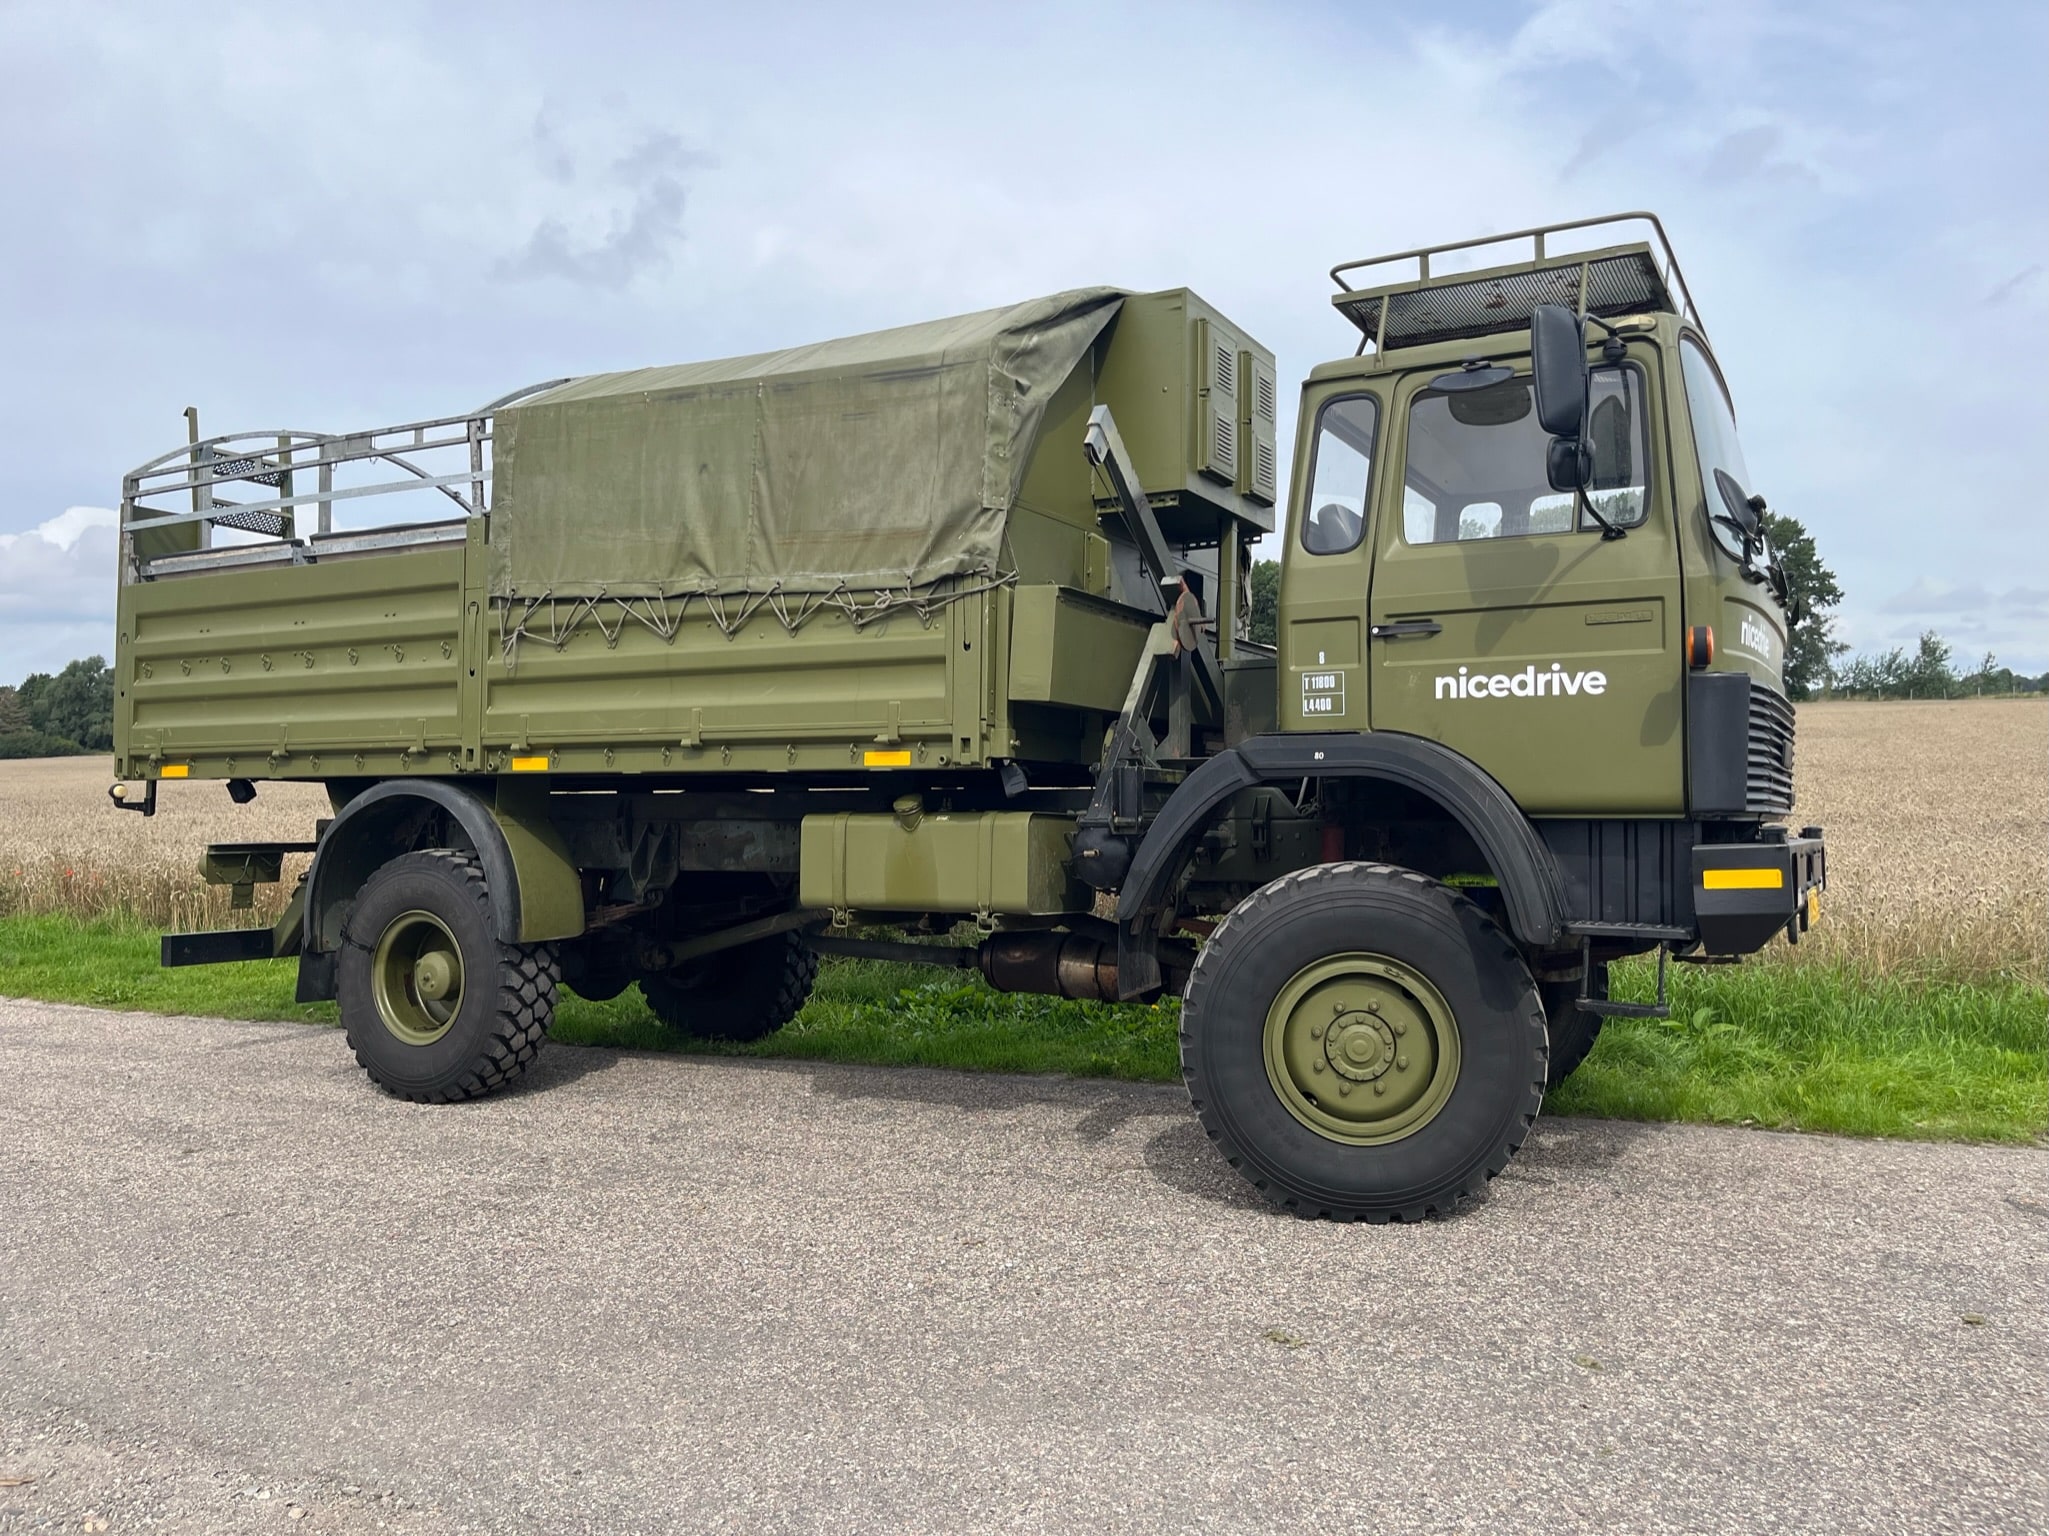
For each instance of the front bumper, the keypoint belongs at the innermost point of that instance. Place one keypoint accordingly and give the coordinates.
(1744, 893)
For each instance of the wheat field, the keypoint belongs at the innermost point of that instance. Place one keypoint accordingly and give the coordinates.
(1937, 815)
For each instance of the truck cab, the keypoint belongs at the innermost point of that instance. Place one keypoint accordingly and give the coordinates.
(1438, 582)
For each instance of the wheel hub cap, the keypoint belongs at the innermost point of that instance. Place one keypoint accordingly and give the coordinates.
(1362, 1048)
(416, 977)
(1359, 1046)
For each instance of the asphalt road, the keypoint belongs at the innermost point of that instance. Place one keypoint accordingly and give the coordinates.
(239, 1290)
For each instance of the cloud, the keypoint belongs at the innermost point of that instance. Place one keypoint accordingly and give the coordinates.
(1752, 154)
(1608, 133)
(641, 201)
(1936, 597)
(66, 528)
(57, 592)
(358, 191)
(2013, 284)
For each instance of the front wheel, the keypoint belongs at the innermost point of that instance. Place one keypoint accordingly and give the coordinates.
(436, 1007)
(1363, 1043)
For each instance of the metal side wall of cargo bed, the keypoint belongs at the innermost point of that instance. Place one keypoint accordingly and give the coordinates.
(344, 667)
(898, 692)
(395, 663)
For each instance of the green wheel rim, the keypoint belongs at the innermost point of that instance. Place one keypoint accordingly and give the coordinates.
(416, 976)
(1362, 1049)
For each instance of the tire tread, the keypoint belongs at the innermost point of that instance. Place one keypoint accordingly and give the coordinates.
(527, 978)
(1227, 937)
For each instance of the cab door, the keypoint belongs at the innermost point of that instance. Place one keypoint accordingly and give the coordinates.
(1503, 623)
(1323, 680)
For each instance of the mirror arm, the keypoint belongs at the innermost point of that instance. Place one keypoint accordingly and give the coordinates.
(1608, 529)
(1613, 348)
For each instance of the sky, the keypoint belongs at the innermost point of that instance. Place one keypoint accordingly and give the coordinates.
(351, 216)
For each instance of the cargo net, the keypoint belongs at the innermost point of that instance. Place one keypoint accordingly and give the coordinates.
(555, 621)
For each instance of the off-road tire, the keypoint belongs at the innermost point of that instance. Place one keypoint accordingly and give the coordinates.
(744, 993)
(595, 970)
(508, 996)
(1572, 1031)
(1302, 919)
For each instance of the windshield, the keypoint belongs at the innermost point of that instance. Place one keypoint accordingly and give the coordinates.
(1714, 441)
(1475, 462)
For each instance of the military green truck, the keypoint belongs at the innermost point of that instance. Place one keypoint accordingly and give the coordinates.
(932, 644)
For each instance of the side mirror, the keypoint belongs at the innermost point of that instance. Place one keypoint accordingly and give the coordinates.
(1558, 348)
(1568, 464)
(1743, 510)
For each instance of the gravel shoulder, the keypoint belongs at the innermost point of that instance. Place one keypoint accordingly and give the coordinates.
(648, 1292)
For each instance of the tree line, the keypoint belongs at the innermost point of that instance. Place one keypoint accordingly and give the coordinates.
(59, 714)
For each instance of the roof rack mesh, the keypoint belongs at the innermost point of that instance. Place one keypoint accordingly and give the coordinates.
(1622, 283)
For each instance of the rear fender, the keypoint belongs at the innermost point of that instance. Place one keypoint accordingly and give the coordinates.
(534, 887)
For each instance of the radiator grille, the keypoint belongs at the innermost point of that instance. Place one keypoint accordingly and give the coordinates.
(1768, 769)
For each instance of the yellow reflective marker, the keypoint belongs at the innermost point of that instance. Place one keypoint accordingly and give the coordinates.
(1743, 879)
(529, 765)
(175, 771)
(1813, 905)
(897, 758)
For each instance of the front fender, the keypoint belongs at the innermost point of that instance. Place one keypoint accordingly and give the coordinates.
(1532, 891)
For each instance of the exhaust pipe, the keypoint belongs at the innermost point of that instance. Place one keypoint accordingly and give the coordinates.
(1072, 965)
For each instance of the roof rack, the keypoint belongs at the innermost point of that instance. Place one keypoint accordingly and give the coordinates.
(1611, 280)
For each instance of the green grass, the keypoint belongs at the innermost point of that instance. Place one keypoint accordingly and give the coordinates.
(1787, 1047)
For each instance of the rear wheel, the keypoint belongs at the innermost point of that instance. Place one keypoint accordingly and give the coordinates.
(744, 993)
(436, 1007)
(1363, 1043)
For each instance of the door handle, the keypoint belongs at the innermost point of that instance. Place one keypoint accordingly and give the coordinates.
(1402, 627)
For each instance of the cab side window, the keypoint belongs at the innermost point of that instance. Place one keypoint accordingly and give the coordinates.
(1341, 475)
(1475, 463)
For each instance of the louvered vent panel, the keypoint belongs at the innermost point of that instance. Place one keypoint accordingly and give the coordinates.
(1265, 472)
(1259, 405)
(1217, 434)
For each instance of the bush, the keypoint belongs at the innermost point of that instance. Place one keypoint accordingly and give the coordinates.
(38, 744)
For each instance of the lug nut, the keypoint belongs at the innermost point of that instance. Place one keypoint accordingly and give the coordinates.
(1401, 1063)
(1380, 1087)
(1316, 1066)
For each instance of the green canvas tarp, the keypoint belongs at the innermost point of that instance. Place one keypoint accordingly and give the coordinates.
(876, 462)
